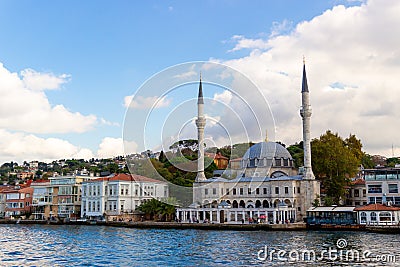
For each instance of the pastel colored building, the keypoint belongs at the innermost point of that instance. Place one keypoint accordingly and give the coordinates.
(18, 202)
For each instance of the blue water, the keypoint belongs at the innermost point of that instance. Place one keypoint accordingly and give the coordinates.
(50, 245)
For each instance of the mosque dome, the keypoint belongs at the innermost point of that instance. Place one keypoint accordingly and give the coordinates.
(267, 150)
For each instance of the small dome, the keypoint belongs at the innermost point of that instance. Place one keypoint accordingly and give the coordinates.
(267, 150)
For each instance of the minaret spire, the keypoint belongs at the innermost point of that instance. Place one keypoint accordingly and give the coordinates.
(200, 123)
(305, 113)
(200, 97)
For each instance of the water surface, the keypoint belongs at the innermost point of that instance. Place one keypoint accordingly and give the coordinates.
(53, 245)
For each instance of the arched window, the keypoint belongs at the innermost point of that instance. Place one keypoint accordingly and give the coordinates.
(235, 204)
(265, 204)
(258, 203)
(373, 216)
(363, 217)
(242, 204)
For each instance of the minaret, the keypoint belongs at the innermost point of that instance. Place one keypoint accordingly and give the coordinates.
(305, 113)
(200, 123)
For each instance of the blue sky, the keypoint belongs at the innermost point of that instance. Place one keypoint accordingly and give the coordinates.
(103, 51)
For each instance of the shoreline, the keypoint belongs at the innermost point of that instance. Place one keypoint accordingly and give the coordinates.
(172, 225)
(216, 226)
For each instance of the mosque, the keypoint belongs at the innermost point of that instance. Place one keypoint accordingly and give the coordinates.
(268, 188)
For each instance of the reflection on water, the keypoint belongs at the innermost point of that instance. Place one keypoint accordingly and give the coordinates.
(49, 245)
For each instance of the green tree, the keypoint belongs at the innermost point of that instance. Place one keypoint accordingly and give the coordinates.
(333, 162)
(355, 146)
(157, 210)
(366, 161)
(391, 162)
(297, 153)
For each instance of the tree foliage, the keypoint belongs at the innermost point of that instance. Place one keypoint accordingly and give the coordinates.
(297, 153)
(157, 210)
(334, 161)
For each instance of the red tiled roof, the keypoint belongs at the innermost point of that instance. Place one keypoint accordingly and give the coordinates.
(377, 207)
(127, 177)
(219, 156)
(359, 182)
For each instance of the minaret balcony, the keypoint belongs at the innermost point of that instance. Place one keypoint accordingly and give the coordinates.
(201, 122)
(305, 112)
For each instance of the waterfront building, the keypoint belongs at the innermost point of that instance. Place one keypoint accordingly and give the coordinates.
(42, 200)
(378, 214)
(332, 215)
(267, 187)
(59, 197)
(3, 200)
(382, 185)
(18, 201)
(357, 193)
(117, 196)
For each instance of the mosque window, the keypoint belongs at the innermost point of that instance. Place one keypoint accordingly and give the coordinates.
(265, 191)
(286, 190)
(240, 191)
(278, 162)
(298, 190)
(234, 191)
(257, 191)
(214, 191)
(277, 190)
(285, 162)
(252, 163)
(249, 191)
(205, 191)
(227, 191)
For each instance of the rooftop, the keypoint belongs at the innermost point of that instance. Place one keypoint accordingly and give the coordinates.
(377, 207)
(127, 177)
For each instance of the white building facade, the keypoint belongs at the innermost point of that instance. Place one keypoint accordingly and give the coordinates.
(119, 194)
(378, 214)
(382, 185)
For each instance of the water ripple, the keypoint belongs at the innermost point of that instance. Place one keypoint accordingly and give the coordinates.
(50, 245)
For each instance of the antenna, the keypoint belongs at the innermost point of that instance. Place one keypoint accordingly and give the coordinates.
(392, 151)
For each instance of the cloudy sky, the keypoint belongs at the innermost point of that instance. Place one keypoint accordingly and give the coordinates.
(69, 71)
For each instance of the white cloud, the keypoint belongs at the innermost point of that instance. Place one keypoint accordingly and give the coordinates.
(25, 107)
(19, 147)
(111, 147)
(189, 74)
(244, 43)
(109, 123)
(279, 28)
(37, 81)
(224, 97)
(355, 46)
(141, 102)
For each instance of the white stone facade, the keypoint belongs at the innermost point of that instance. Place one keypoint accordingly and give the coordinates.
(119, 194)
